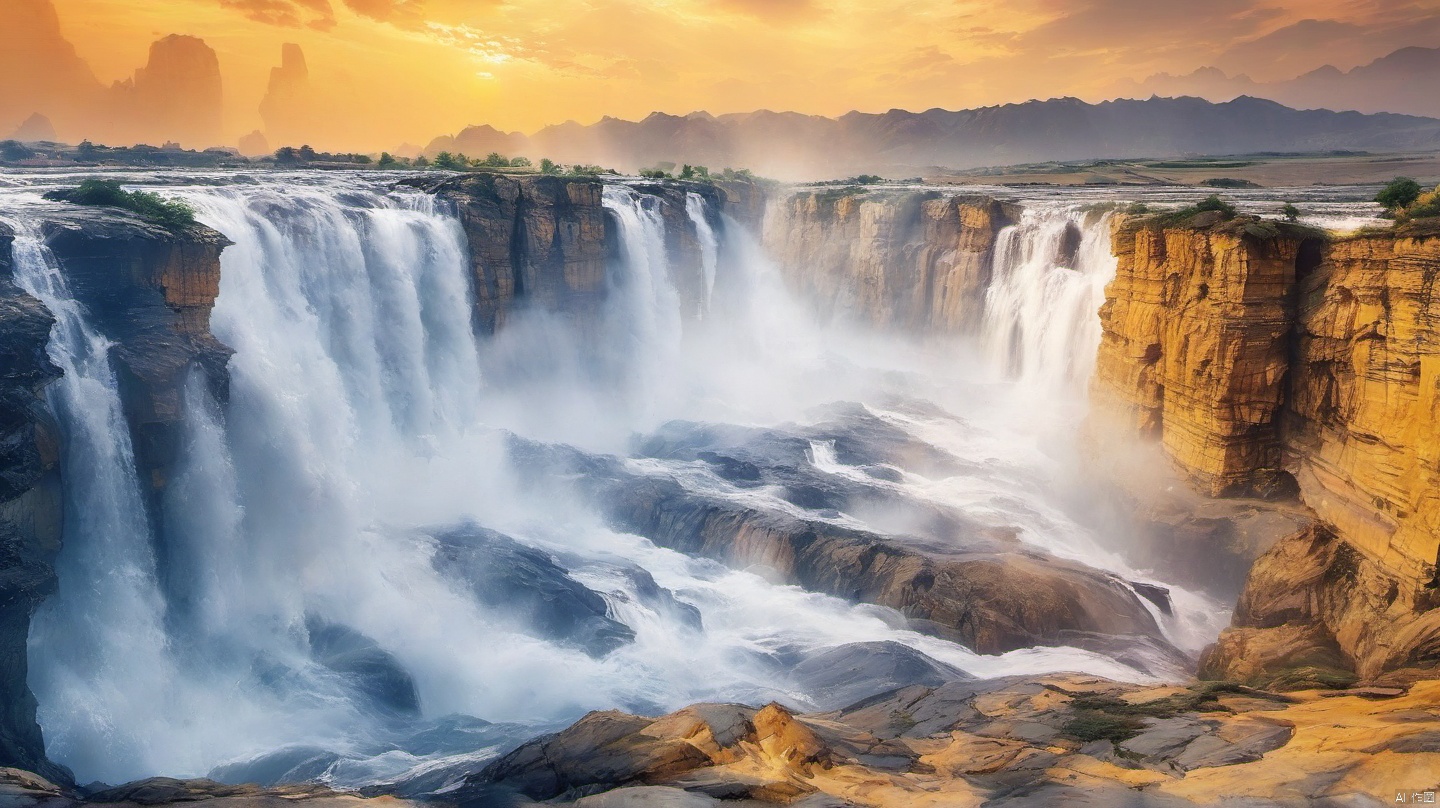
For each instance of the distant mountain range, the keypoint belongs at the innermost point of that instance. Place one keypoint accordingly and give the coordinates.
(794, 146)
(1406, 81)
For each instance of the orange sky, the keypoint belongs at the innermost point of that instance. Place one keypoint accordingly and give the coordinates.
(406, 70)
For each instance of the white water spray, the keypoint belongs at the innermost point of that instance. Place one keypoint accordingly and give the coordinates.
(1048, 282)
(359, 422)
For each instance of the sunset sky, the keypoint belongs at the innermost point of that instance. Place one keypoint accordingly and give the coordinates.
(406, 70)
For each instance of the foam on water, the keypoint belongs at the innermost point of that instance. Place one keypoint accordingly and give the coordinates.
(364, 415)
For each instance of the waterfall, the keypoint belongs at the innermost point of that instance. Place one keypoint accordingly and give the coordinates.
(100, 648)
(644, 315)
(365, 417)
(709, 243)
(1047, 286)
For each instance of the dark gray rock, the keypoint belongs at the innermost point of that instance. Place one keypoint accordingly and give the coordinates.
(528, 585)
(375, 675)
(840, 676)
(31, 510)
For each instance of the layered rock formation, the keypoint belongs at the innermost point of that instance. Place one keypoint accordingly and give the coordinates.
(908, 260)
(533, 240)
(1195, 344)
(547, 242)
(1267, 359)
(150, 290)
(176, 96)
(952, 577)
(1053, 741)
(40, 72)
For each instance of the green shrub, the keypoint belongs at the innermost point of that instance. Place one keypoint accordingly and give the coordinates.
(1091, 725)
(548, 166)
(1401, 193)
(1290, 212)
(1228, 182)
(108, 193)
(1214, 203)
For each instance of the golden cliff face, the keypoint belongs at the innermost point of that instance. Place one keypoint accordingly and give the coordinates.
(1253, 352)
(1194, 350)
(909, 260)
(1363, 418)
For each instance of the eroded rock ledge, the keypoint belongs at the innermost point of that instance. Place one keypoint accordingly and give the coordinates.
(548, 242)
(1061, 740)
(1271, 360)
(912, 260)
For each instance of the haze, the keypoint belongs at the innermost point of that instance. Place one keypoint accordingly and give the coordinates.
(386, 72)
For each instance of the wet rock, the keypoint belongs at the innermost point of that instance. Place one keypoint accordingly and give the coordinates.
(1158, 595)
(31, 510)
(962, 587)
(528, 585)
(150, 289)
(374, 673)
(662, 600)
(846, 674)
(294, 764)
(534, 241)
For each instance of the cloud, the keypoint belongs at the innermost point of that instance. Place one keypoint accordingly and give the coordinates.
(289, 13)
(774, 10)
(1294, 49)
(1145, 26)
(406, 12)
(321, 14)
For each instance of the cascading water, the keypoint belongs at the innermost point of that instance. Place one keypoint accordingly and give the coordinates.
(1048, 282)
(366, 421)
(115, 648)
(709, 243)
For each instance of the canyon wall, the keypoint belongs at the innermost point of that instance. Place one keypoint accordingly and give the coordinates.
(30, 507)
(149, 289)
(1269, 360)
(546, 242)
(912, 260)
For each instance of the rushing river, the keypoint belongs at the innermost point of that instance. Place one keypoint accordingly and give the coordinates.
(301, 606)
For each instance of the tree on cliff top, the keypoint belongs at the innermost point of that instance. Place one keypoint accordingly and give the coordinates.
(1401, 193)
(108, 193)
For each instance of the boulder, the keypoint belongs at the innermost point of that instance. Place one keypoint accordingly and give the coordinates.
(529, 586)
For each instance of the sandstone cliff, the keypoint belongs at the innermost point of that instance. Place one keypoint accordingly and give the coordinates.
(912, 260)
(1268, 360)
